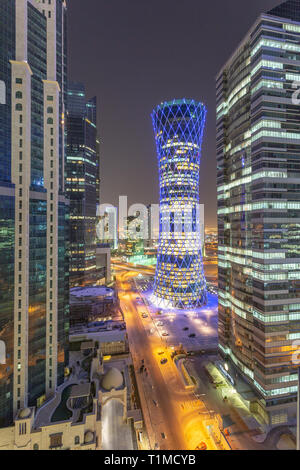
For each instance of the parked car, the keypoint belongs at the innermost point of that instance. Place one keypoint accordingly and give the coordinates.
(201, 446)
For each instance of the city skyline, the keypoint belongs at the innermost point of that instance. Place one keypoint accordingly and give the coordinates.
(133, 73)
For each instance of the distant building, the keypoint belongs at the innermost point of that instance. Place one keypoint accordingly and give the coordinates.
(82, 184)
(33, 206)
(258, 152)
(88, 304)
(132, 242)
(103, 263)
(107, 228)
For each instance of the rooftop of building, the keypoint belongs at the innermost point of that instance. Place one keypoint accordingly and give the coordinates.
(178, 103)
(81, 390)
(289, 9)
(86, 293)
(103, 336)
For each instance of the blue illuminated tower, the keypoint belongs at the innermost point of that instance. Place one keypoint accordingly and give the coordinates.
(179, 279)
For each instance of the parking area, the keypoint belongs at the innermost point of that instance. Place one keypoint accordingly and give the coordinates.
(195, 330)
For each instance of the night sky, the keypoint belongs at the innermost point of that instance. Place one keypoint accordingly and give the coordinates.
(134, 54)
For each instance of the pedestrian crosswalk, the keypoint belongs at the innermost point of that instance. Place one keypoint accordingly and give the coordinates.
(192, 405)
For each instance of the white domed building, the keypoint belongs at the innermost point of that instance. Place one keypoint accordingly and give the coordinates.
(112, 379)
(113, 386)
(89, 413)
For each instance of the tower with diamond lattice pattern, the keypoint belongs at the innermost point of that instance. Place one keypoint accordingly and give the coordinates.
(179, 279)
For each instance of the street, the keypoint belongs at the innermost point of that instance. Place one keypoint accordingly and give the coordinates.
(173, 415)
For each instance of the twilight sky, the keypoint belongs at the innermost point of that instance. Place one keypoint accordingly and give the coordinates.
(133, 54)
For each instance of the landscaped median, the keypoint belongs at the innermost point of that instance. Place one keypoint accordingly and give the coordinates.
(188, 381)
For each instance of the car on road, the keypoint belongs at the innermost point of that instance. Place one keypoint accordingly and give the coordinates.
(155, 402)
(145, 315)
(165, 333)
(164, 360)
(160, 353)
(163, 435)
(201, 446)
(160, 323)
(185, 328)
(192, 335)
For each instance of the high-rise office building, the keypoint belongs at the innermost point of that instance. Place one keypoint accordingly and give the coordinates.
(179, 281)
(82, 184)
(33, 234)
(258, 158)
(132, 241)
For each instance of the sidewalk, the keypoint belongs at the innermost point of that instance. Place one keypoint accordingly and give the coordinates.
(244, 425)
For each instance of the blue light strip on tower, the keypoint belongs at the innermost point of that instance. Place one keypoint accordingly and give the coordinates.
(179, 279)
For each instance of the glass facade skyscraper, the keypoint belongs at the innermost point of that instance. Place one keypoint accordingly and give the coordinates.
(258, 158)
(33, 208)
(82, 184)
(179, 281)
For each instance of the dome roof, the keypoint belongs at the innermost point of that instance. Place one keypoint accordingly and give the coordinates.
(25, 413)
(112, 379)
(88, 437)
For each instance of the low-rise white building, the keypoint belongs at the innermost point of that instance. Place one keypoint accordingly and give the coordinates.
(68, 435)
(92, 410)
